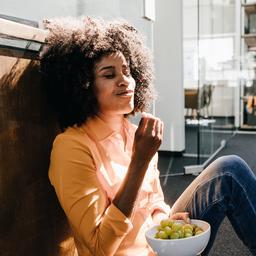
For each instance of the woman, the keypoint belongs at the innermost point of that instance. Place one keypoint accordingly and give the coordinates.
(103, 168)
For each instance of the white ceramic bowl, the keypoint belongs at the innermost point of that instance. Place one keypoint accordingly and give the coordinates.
(190, 246)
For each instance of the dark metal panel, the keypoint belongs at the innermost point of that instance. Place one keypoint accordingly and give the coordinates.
(19, 20)
(14, 47)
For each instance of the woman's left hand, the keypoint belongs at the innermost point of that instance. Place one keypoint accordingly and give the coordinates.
(180, 216)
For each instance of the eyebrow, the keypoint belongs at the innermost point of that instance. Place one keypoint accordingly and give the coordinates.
(112, 67)
(107, 67)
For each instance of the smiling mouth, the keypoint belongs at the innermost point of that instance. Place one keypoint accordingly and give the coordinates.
(125, 93)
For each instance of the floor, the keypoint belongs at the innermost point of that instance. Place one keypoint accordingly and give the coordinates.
(174, 182)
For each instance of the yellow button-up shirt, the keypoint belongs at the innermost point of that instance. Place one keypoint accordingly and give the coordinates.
(87, 167)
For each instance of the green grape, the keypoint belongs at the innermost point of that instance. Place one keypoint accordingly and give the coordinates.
(188, 230)
(181, 233)
(157, 235)
(174, 235)
(159, 228)
(188, 234)
(198, 232)
(188, 226)
(170, 222)
(162, 235)
(164, 223)
(197, 229)
(193, 226)
(176, 226)
(168, 230)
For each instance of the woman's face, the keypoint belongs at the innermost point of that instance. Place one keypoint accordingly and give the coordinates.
(114, 86)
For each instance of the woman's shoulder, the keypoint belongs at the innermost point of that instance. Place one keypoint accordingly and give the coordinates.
(72, 136)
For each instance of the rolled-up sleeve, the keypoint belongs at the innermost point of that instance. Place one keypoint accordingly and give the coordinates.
(158, 202)
(99, 225)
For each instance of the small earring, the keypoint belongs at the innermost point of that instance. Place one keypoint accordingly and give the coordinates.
(87, 85)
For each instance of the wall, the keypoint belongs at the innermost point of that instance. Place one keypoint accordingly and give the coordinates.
(168, 41)
(32, 223)
(132, 10)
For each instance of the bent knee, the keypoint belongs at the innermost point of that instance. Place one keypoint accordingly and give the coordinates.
(232, 164)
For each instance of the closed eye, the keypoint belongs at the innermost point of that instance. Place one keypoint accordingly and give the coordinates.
(109, 76)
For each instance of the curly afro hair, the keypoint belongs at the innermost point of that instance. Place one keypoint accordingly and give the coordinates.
(67, 60)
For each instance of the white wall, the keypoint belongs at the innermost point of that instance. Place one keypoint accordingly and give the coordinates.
(36, 10)
(168, 41)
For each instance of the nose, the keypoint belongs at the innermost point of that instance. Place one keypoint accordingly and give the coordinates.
(123, 80)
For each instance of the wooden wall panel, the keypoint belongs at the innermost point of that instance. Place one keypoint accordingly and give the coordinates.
(31, 221)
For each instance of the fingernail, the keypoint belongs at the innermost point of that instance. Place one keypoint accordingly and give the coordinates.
(143, 114)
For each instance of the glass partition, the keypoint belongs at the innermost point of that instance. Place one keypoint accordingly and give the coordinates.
(209, 75)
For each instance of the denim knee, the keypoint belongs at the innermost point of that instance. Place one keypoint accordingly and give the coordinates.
(232, 165)
(238, 176)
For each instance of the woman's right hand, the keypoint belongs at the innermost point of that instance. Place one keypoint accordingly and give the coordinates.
(147, 140)
(148, 137)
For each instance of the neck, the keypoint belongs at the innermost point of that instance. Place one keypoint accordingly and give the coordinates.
(114, 121)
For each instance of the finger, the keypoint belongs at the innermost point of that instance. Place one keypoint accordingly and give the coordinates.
(159, 128)
(151, 123)
(186, 217)
(144, 114)
(150, 126)
(153, 126)
(181, 216)
(162, 129)
(142, 124)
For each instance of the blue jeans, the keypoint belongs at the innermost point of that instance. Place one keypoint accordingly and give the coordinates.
(227, 187)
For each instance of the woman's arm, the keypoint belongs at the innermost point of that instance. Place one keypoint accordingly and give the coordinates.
(97, 223)
(100, 225)
(148, 138)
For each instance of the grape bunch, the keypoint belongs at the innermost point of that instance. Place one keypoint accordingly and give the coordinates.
(169, 229)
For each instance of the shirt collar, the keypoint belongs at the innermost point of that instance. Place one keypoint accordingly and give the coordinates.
(100, 129)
